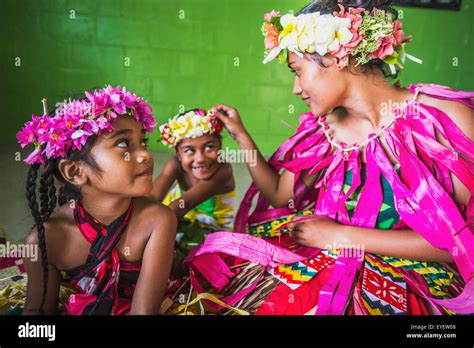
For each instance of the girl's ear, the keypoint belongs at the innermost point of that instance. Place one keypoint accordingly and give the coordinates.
(342, 63)
(73, 172)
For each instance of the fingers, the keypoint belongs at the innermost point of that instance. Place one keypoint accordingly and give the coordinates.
(297, 232)
(223, 117)
(222, 107)
(298, 236)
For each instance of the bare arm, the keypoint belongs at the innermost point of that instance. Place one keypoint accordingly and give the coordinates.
(201, 191)
(165, 180)
(156, 263)
(325, 233)
(404, 244)
(34, 289)
(277, 188)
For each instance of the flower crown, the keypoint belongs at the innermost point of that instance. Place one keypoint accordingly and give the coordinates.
(362, 34)
(192, 124)
(75, 121)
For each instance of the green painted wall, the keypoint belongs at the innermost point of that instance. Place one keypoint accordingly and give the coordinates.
(188, 61)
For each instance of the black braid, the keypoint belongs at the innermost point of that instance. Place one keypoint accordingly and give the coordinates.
(43, 191)
(33, 204)
(51, 189)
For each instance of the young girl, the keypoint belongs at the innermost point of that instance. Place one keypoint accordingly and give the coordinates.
(110, 243)
(386, 174)
(203, 198)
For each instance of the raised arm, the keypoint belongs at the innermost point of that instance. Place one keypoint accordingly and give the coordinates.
(202, 191)
(277, 188)
(165, 180)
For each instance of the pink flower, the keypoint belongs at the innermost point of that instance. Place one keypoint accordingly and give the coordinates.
(356, 21)
(268, 16)
(35, 157)
(200, 112)
(55, 150)
(79, 138)
(385, 49)
(100, 102)
(388, 43)
(26, 136)
(398, 34)
(103, 123)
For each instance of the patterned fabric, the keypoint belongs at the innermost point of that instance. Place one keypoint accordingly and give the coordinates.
(357, 284)
(381, 288)
(104, 284)
(272, 228)
(388, 216)
(214, 214)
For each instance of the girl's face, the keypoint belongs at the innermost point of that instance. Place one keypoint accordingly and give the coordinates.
(126, 165)
(199, 156)
(320, 87)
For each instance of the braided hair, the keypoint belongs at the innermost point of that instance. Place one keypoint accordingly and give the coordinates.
(48, 199)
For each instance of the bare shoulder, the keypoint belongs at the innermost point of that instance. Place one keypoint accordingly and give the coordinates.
(460, 114)
(225, 177)
(225, 171)
(56, 229)
(153, 212)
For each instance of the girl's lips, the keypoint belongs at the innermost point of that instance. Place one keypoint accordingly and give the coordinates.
(202, 169)
(147, 172)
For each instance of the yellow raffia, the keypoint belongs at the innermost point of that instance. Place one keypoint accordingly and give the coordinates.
(183, 309)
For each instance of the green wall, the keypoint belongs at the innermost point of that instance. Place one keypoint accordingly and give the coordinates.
(190, 61)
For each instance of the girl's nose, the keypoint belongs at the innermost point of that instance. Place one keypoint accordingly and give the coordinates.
(296, 86)
(199, 156)
(144, 156)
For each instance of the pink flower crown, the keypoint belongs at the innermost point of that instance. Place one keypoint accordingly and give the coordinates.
(75, 121)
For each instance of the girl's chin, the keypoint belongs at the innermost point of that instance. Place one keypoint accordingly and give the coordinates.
(318, 111)
(142, 189)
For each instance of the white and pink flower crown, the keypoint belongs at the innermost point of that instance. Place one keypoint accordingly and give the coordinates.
(75, 121)
(362, 34)
(192, 124)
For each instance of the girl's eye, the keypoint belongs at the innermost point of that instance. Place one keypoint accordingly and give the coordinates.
(145, 142)
(210, 147)
(123, 143)
(188, 151)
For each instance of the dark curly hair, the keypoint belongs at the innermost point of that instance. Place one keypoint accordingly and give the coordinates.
(329, 6)
(50, 197)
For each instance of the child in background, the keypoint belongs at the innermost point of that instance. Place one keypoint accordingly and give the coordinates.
(113, 245)
(203, 198)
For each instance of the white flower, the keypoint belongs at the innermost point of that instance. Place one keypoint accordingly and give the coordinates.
(195, 132)
(289, 36)
(313, 33)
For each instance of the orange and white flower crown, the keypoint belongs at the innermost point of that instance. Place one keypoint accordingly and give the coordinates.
(362, 34)
(192, 124)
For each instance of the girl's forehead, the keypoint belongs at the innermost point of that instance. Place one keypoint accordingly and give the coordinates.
(197, 141)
